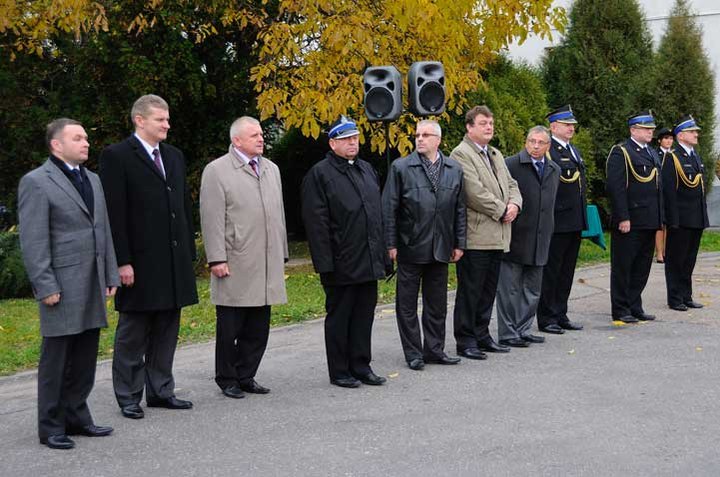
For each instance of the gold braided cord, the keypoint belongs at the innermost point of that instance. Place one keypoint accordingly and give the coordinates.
(572, 179)
(643, 179)
(680, 176)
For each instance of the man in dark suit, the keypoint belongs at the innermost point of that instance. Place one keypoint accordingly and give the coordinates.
(685, 214)
(570, 220)
(635, 191)
(424, 219)
(68, 254)
(342, 214)
(522, 267)
(150, 214)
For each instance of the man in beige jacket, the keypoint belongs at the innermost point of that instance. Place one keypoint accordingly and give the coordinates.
(243, 226)
(493, 201)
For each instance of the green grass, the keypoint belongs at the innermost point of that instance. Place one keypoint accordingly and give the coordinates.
(19, 325)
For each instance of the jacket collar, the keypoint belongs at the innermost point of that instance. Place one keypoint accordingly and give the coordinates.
(239, 163)
(62, 181)
(341, 164)
(142, 155)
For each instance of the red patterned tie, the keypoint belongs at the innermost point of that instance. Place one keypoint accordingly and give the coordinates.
(156, 160)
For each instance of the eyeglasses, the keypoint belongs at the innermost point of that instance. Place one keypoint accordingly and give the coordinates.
(425, 135)
(537, 142)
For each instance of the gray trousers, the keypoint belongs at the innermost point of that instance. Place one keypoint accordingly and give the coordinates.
(518, 296)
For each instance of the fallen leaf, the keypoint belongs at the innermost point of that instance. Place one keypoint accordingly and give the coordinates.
(611, 337)
(572, 351)
(581, 280)
(193, 324)
(393, 375)
(287, 276)
(388, 311)
(698, 348)
(2, 329)
(619, 323)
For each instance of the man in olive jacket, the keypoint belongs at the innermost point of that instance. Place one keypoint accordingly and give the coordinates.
(342, 214)
(522, 267)
(424, 219)
(243, 226)
(493, 202)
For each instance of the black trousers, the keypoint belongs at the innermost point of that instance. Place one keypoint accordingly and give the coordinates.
(348, 328)
(558, 277)
(241, 339)
(434, 277)
(144, 352)
(681, 249)
(477, 274)
(66, 374)
(631, 257)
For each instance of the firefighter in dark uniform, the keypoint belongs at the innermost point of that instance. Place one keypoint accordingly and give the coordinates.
(685, 214)
(634, 187)
(665, 139)
(570, 220)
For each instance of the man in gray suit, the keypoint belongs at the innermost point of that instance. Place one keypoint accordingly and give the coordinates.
(68, 254)
(521, 269)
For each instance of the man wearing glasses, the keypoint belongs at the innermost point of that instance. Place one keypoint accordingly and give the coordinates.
(424, 219)
(522, 267)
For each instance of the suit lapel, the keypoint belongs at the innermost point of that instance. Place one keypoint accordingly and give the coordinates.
(64, 183)
(142, 156)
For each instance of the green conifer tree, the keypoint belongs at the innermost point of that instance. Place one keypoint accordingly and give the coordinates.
(684, 81)
(604, 69)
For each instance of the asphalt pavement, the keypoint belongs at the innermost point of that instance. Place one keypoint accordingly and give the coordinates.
(639, 400)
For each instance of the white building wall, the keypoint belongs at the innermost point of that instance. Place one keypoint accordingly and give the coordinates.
(657, 12)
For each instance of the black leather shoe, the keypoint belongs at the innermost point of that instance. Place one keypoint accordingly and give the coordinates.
(346, 382)
(444, 359)
(90, 431)
(679, 307)
(60, 441)
(492, 347)
(253, 387)
(132, 411)
(371, 379)
(626, 319)
(693, 304)
(533, 339)
(170, 403)
(515, 343)
(569, 325)
(234, 392)
(416, 364)
(472, 353)
(644, 317)
(553, 329)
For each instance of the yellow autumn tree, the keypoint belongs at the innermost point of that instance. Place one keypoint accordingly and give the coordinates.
(313, 55)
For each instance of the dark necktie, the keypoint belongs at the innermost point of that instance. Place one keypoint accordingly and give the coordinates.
(158, 164)
(253, 163)
(695, 158)
(540, 166)
(488, 162)
(83, 188)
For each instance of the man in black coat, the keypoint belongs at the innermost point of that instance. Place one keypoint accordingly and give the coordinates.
(342, 214)
(151, 219)
(685, 214)
(635, 191)
(522, 267)
(424, 219)
(570, 220)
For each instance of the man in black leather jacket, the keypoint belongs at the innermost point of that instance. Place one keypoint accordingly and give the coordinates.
(424, 216)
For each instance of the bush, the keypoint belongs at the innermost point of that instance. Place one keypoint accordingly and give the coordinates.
(14, 282)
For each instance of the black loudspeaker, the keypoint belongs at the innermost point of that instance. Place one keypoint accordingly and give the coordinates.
(426, 88)
(383, 93)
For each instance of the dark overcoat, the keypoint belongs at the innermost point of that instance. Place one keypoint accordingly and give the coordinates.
(342, 214)
(533, 227)
(683, 190)
(66, 249)
(152, 226)
(424, 224)
(632, 196)
(570, 203)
